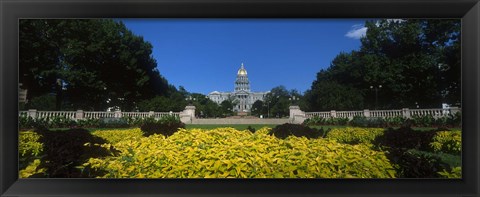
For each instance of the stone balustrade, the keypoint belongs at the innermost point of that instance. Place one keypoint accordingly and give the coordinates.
(405, 112)
(80, 114)
(297, 116)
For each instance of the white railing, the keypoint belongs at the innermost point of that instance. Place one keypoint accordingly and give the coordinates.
(48, 114)
(52, 114)
(317, 114)
(348, 114)
(97, 115)
(385, 113)
(407, 113)
(94, 114)
(158, 115)
(432, 112)
(136, 114)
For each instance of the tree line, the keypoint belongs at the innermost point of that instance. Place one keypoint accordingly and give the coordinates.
(88, 64)
(96, 64)
(412, 63)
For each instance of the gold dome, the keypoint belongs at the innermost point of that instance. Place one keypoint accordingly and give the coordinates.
(242, 71)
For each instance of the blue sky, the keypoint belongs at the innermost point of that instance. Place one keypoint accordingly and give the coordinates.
(203, 55)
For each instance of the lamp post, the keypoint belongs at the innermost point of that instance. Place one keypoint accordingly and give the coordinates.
(268, 108)
(376, 94)
(268, 101)
(190, 99)
(293, 99)
(227, 112)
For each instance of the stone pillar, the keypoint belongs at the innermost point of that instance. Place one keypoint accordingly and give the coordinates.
(188, 114)
(118, 114)
(297, 116)
(333, 114)
(406, 112)
(79, 115)
(366, 113)
(32, 113)
(151, 113)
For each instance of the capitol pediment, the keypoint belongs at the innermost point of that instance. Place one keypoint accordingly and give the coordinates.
(242, 92)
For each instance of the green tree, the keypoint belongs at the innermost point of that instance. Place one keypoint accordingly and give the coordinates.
(161, 104)
(278, 102)
(259, 108)
(331, 95)
(91, 63)
(43, 103)
(226, 107)
(415, 61)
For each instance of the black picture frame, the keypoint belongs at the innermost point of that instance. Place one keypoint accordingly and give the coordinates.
(11, 11)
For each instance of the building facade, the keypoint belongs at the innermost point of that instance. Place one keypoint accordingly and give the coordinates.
(242, 97)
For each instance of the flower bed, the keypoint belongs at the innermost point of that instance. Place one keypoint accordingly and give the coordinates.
(226, 152)
(230, 153)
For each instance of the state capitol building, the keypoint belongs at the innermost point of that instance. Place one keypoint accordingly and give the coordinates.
(242, 98)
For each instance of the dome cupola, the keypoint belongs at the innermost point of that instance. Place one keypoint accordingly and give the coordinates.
(242, 83)
(242, 71)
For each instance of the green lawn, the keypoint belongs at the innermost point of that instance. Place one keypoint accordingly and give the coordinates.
(255, 126)
(414, 128)
(238, 126)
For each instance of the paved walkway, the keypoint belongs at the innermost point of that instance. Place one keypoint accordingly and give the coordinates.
(240, 121)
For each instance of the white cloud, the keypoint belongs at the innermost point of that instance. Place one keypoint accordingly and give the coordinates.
(357, 31)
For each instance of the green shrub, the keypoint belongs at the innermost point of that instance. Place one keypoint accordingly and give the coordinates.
(395, 121)
(317, 120)
(447, 142)
(423, 121)
(451, 120)
(251, 129)
(337, 121)
(285, 130)
(405, 138)
(64, 150)
(226, 152)
(169, 119)
(134, 121)
(351, 135)
(421, 164)
(88, 123)
(362, 121)
(454, 120)
(359, 121)
(60, 122)
(25, 122)
(166, 126)
(113, 123)
(47, 122)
